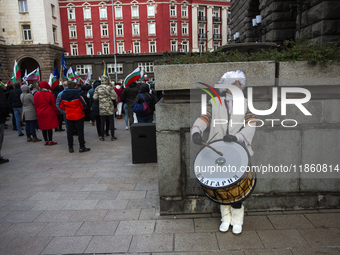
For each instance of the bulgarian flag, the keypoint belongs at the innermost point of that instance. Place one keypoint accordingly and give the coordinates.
(16, 72)
(145, 77)
(33, 76)
(53, 81)
(70, 75)
(134, 76)
(88, 77)
(105, 70)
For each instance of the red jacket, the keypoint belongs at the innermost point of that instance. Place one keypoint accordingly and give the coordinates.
(47, 112)
(73, 104)
(118, 92)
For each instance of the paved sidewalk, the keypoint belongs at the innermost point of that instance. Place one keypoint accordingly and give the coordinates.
(98, 202)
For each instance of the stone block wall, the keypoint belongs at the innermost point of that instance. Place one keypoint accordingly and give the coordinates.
(313, 141)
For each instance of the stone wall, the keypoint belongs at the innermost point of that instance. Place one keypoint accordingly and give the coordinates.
(312, 141)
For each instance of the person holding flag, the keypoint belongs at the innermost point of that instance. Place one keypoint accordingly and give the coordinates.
(64, 66)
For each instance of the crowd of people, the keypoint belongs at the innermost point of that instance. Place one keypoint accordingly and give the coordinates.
(39, 107)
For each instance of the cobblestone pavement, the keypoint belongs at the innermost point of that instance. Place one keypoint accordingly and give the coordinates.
(98, 202)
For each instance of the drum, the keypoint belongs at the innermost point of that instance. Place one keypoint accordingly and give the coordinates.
(225, 179)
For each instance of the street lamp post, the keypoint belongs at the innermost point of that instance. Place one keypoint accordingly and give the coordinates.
(114, 41)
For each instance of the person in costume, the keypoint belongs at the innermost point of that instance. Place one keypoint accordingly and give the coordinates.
(239, 131)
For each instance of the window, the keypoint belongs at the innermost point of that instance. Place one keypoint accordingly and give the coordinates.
(23, 6)
(173, 45)
(201, 12)
(120, 47)
(104, 29)
(201, 46)
(119, 29)
(74, 50)
(216, 13)
(201, 29)
(152, 47)
(135, 29)
(89, 49)
(119, 13)
(87, 13)
(53, 10)
(102, 13)
(185, 46)
(184, 29)
(147, 67)
(173, 28)
(151, 11)
(136, 47)
(88, 31)
(106, 49)
(216, 29)
(135, 12)
(172, 10)
(216, 45)
(54, 32)
(71, 14)
(111, 68)
(184, 11)
(73, 32)
(84, 69)
(26, 29)
(152, 28)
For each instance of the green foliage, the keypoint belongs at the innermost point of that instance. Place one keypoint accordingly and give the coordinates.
(301, 50)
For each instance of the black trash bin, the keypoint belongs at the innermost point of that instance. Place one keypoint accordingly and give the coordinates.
(143, 143)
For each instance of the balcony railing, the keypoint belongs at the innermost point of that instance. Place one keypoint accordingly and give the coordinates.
(202, 36)
(217, 36)
(217, 19)
(202, 18)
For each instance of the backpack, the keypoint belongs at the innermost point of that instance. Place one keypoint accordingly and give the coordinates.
(142, 109)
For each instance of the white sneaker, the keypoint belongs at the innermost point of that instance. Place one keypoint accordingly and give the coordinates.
(224, 226)
(127, 128)
(237, 229)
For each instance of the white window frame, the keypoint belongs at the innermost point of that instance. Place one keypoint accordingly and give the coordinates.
(134, 12)
(151, 11)
(173, 28)
(216, 13)
(83, 69)
(102, 13)
(185, 46)
(71, 14)
(26, 32)
(216, 29)
(89, 49)
(104, 32)
(23, 6)
(55, 34)
(120, 47)
(146, 66)
(88, 34)
(87, 13)
(173, 12)
(111, 68)
(53, 10)
(185, 29)
(216, 45)
(118, 12)
(184, 12)
(74, 49)
(201, 46)
(119, 30)
(152, 47)
(152, 28)
(136, 47)
(173, 45)
(72, 31)
(106, 48)
(135, 29)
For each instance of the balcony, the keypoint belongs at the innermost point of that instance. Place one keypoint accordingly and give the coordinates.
(217, 36)
(202, 36)
(217, 19)
(202, 19)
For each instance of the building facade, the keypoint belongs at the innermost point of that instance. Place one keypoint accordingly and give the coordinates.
(285, 20)
(138, 31)
(31, 35)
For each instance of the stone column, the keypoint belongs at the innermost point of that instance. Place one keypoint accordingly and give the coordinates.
(194, 20)
(224, 26)
(210, 28)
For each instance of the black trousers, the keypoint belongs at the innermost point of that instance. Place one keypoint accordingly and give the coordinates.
(103, 119)
(79, 126)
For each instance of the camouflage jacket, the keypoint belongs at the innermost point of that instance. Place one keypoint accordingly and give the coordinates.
(105, 94)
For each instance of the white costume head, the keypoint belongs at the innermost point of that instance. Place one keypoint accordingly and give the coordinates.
(231, 77)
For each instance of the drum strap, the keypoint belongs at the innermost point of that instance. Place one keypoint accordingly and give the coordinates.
(227, 105)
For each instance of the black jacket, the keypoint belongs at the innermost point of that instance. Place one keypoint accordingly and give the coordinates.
(149, 99)
(4, 107)
(14, 98)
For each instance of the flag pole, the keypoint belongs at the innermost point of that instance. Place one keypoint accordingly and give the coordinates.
(5, 72)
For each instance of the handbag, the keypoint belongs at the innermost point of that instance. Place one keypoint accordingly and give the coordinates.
(142, 109)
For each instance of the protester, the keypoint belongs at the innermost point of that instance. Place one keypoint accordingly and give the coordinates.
(47, 112)
(118, 89)
(56, 92)
(106, 95)
(129, 95)
(94, 105)
(15, 102)
(145, 96)
(4, 111)
(28, 114)
(74, 104)
(58, 100)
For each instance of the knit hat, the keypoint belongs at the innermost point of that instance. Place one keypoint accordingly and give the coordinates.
(231, 77)
(44, 85)
(24, 88)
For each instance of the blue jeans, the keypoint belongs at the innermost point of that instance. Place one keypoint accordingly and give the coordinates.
(30, 128)
(145, 119)
(17, 112)
(126, 113)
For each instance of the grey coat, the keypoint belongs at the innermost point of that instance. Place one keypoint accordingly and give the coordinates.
(28, 110)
